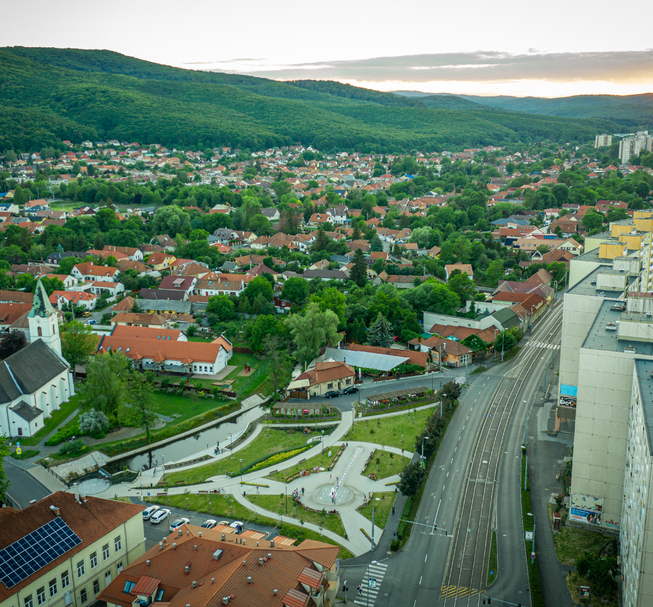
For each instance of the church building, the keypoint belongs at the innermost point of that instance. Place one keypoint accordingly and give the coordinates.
(35, 380)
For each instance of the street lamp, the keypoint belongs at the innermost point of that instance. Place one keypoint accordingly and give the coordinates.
(423, 439)
(241, 470)
(368, 582)
(322, 442)
(533, 548)
(231, 444)
(163, 478)
(441, 397)
(286, 499)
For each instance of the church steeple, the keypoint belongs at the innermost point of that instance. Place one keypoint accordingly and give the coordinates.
(43, 321)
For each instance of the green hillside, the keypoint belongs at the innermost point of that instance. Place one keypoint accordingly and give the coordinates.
(628, 110)
(52, 94)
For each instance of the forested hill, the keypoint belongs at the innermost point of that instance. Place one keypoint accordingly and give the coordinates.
(47, 95)
(630, 111)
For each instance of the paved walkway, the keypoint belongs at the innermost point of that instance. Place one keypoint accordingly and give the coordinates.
(344, 488)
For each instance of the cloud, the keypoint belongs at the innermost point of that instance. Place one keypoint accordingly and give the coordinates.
(624, 67)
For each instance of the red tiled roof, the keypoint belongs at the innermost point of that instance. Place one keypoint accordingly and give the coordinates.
(146, 586)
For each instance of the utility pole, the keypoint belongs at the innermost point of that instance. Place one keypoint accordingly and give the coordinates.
(372, 524)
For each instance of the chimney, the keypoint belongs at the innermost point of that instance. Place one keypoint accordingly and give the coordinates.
(271, 543)
(174, 545)
(244, 563)
(260, 561)
(269, 555)
(194, 584)
(225, 600)
(56, 510)
(275, 592)
(223, 537)
(178, 532)
(212, 580)
(160, 545)
(249, 579)
(200, 536)
(195, 546)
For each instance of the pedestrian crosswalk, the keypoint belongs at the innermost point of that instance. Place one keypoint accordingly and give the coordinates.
(371, 584)
(539, 344)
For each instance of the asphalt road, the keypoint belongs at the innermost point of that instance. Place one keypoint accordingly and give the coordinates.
(415, 576)
(24, 487)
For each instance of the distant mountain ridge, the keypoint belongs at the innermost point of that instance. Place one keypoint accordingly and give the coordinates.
(47, 95)
(628, 110)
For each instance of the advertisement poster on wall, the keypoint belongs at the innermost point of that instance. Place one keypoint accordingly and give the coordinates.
(585, 516)
(584, 592)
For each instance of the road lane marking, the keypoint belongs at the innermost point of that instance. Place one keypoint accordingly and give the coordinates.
(420, 581)
(449, 592)
(425, 557)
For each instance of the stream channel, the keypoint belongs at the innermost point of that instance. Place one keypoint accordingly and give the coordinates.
(186, 448)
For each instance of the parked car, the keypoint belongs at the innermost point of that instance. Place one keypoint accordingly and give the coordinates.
(350, 390)
(178, 523)
(237, 525)
(92, 322)
(149, 511)
(332, 394)
(159, 515)
(209, 523)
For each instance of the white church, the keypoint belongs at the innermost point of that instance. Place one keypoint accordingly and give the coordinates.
(37, 379)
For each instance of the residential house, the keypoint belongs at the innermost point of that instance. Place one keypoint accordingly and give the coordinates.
(161, 261)
(140, 319)
(465, 268)
(76, 547)
(169, 308)
(90, 272)
(133, 253)
(110, 290)
(82, 299)
(454, 354)
(328, 375)
(414, 358)
(173, 284)
(11, 312)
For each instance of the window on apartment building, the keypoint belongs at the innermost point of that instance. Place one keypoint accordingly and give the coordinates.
(81, 569)
(119, 567)
(329, 385)
(40, 595)
(93, 560)
(117, 542)
(96, 586)
(83, 597)
(28, 602)
(105, 552)
(53, 587)
(65, 579)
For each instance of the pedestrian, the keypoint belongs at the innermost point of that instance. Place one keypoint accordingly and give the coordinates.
(393, 511)
(302, 490)
(330, 477)
(337, 480)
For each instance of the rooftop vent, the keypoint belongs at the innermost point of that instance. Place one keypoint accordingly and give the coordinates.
(178, 532)
(187, 568)
(200, 534)
(194, 584)
(244, 563)
(212, 580)
(225, 600)
(217, 554)
(56, 510)
(223, 537)
(147, 562)
(260, 561)
(630, 349)
(611, 326)
(195, 546)
(271, 543)
(174, 545)
(275, 592)
(249, 579)
(269, 555)
(160, 545)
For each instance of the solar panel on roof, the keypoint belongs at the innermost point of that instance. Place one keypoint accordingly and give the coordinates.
(39, 548)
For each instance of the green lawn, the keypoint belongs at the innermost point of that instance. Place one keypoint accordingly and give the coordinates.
(493, 563)
(182, 407)
(382, 509)
(266, 443)
(225, 506)
(52, 422)
(276, 503)
(319, 460)
(389, 464)
(389, 430)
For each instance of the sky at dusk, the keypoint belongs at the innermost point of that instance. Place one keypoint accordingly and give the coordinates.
(504, 47)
